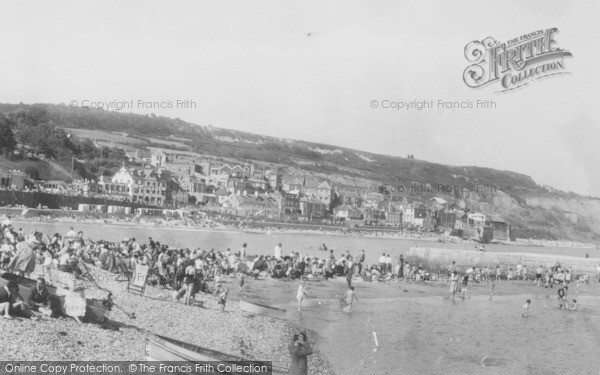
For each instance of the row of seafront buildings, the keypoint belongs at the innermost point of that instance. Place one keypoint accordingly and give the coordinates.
(176, 178)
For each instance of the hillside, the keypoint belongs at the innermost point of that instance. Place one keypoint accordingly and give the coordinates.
(533, 210)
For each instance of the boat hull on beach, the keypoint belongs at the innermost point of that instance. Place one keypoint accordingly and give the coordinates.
(164, 349)
(265, 310)
(95, 311)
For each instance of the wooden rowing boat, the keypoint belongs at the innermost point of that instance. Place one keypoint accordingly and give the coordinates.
(164, 349)
(257, 308)
(95, 311)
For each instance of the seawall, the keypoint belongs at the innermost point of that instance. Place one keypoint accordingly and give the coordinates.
(464, 258)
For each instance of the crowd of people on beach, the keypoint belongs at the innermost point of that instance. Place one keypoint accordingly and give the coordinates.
(192, 274)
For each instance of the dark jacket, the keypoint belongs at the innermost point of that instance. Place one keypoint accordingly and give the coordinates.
(39, 297)
(299, 362)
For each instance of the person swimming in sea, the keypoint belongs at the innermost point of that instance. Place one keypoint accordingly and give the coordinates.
(349, 297)
(301, 295)
(453, 283)
(562, 297)
(526, 308)
(463, 289)
(575, 304)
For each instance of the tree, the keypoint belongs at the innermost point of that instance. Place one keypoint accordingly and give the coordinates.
(335, 202)
(7, 136)
(33, 172)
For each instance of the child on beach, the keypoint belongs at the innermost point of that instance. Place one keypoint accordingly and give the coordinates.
(526, 308)
(510, 275)
(498, 273)
(301, 294)
(465, 280)
(538, 276)
(242, 280)
(48, 263)
(575, 303)
(222, 293)
(478, 277)
(349, 298)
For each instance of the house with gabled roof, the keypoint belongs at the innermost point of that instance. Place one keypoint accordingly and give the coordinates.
(313, 208)
(350, 198)
(318, 189)
(290, 183)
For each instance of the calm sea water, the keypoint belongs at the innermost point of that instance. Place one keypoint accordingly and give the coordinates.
(400, 329)
(263, 243)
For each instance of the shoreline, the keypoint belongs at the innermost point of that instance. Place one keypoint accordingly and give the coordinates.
(327, 231)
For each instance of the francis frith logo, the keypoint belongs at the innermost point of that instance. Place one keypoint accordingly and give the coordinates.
(515, 63)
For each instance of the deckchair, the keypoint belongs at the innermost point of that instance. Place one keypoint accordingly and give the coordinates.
(137, 283)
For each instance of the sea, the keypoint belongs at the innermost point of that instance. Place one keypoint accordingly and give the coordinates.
(401, 328)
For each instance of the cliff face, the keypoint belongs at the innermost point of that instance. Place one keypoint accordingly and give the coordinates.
(557, 215)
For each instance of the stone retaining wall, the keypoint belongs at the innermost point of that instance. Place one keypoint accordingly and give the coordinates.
(465, 258)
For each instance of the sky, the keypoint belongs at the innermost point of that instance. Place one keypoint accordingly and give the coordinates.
(310, 70)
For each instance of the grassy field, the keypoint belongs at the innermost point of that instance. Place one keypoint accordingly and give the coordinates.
(46, 171)
(104, 136)
(168, 143)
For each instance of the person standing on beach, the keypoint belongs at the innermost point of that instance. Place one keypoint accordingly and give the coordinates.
(243, 252)
(349, 297)
(277, 251)
(382, 263)
(189, 281)
(242, 280)
(301, 295)
(349, 271)
(299, 350)
(452, 268)
(401, 270)
(388, 263)
(538, 276)
(519, 271)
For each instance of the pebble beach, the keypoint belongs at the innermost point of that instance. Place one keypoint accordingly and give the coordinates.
(234, 332)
